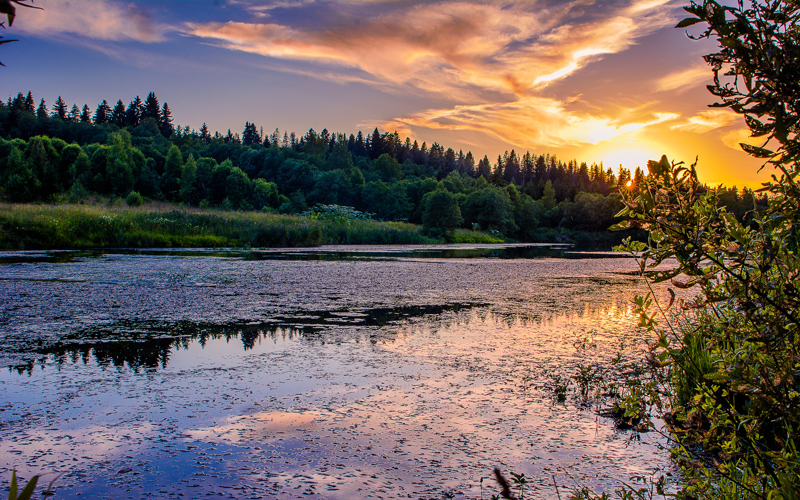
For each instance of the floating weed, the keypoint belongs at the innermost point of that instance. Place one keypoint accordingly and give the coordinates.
(587, 379)
(558, 385)
(519, 481)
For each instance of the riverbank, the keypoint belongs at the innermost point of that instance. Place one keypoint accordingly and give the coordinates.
(35, 227)
(163, 225)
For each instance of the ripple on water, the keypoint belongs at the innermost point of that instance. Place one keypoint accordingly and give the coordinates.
(410, 376)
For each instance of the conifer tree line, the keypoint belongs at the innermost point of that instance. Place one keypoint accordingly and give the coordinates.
(63, 152)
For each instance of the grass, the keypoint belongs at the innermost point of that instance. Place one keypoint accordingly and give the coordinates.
(34, 227)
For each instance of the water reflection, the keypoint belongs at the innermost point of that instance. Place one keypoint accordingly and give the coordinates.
(214, 375)
(149, 345)
(329, 253)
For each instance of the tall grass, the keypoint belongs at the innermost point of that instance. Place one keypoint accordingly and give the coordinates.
(162, 226)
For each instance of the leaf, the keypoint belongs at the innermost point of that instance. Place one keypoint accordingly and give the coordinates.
(621, 226)
(9, 10)
(689, 21)
(27, 492)
(671, 298)
(716, 376)
(12, 492)
(681, 284)
(757, 151)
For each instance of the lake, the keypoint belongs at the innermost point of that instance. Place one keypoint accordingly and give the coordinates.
(335, 372)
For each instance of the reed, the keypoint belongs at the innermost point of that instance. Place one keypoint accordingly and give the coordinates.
(29, 226)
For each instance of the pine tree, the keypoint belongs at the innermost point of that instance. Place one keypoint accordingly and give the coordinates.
(133, 115)
(511, 167)
(103, 113)
(118, 114)
(469, 164)
(449, 163)
(165, 122)
(86, 114)
(527, 170)
(18, 104)
(204, 135)
(376, 144)
(361, 147)
(75, 114)
(30, 103)
(250, 135)
(60, 109)
(41, 111)
(151, 108)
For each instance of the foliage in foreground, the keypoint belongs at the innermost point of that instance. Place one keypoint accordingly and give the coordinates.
(734, 349)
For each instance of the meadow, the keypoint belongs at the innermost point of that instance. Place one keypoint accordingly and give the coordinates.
(161, 225)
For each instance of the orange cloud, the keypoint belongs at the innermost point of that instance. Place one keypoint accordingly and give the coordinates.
(734, 138)
(534, 122)
(461, 50)
(491, 59)
(95, 19)
(707, 121)
(684, 78)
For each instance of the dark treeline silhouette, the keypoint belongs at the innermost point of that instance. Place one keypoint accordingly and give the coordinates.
(71, 152)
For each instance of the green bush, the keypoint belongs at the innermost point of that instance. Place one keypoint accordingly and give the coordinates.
(732, 353)
(134, 199)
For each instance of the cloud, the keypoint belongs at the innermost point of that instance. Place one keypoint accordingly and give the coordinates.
(537, 122)
(734, 138)
(94, 19)
(684, 78)
(707, 121)
(465, 51)
(490, 60)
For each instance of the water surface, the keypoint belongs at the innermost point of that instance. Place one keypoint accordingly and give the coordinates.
(341, 372)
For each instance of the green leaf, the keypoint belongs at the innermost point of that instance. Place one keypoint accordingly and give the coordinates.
(621, 226)
(27, 492)
(12, 491)
(716, 376)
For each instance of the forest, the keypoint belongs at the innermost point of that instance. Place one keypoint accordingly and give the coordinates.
(135, 152)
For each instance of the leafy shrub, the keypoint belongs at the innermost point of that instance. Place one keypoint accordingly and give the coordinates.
(134, 199)
(733, 352)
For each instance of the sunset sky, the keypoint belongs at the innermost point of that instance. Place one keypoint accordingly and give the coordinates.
(592, 80)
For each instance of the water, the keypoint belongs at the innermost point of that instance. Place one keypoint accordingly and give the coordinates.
(341, 372)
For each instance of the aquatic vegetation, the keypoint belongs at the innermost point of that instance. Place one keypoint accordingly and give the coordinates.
(30, 487)
(559, 386)
(26, 492)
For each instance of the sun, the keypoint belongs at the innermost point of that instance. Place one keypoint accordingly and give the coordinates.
(628, 157)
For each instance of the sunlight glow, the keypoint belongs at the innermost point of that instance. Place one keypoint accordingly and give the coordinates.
(558, 74)
(629, 157)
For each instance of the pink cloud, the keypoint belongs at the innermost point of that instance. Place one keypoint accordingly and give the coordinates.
(94, 19)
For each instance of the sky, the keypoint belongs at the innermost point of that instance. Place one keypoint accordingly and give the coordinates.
(607, 81)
